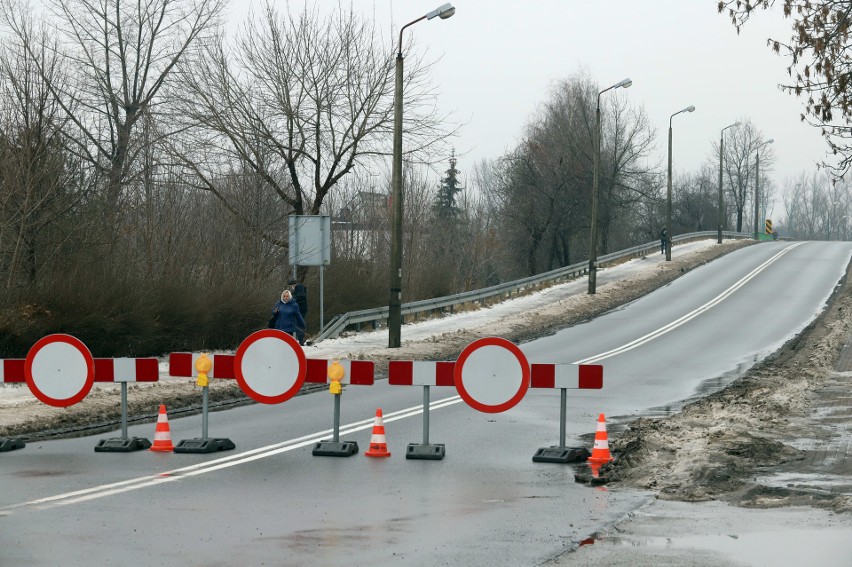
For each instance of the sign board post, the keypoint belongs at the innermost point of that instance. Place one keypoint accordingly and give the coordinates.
(310, 245)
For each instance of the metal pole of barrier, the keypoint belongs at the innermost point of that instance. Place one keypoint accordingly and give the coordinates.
(562, 416)
(561, 453)
(124, 410)
(425, 415)
(204, 444)
(204, 405)
(425, 450)
(335, 447)
(336, 437)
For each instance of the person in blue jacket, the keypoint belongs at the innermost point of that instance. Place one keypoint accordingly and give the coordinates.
(287, 315)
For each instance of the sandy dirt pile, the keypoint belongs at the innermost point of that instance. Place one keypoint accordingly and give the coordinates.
(708, 451)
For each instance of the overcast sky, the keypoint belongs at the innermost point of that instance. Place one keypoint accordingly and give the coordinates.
(500, 57)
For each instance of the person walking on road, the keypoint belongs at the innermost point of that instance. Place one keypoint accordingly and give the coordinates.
(664, 239)
(287, 315)
(300, 294)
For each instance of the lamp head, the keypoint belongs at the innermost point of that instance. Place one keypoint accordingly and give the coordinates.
(690, 108)
(624, 84)
(443, 11)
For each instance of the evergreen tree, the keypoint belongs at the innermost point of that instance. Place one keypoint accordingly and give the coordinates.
(445, 200)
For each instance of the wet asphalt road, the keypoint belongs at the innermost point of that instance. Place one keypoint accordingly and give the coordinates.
(271, 502)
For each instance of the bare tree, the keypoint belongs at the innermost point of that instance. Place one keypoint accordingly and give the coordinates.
(302, 101)
(545, 187)
(695, 200)
(36, 174)
(820, 64)
(741, 149)
(118, 55)
(626, 179)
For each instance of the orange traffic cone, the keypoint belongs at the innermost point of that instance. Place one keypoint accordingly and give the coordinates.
(378, 444)
(600, 452)
(162, 435)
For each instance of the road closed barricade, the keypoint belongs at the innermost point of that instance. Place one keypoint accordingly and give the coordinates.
(425, 374)
(270, 367)
(59, 370)
(564, 377)
(124, 371)
(338, 373)
(492, 375)
(202, 367)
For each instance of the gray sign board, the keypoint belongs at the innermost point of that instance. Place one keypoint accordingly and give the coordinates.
(310, 240)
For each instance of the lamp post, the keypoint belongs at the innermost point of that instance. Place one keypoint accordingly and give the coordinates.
(757, 186)
(395, 301)
(593, 238)
(721, 160)
(689, 108)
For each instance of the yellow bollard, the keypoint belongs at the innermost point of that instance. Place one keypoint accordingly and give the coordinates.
(203, 366)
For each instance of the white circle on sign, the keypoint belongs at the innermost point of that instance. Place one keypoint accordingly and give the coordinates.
(59, 370)
(270, 366)
(492, 375)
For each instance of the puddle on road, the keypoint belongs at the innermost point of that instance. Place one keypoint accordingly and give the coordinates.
(777, 548)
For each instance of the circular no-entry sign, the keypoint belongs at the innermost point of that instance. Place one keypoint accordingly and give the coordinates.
(270, 366)
(492, 375)
(59, 370)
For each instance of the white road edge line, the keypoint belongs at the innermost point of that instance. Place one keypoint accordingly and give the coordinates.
(689, 316)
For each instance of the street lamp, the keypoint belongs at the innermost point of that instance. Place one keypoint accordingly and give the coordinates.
(721, 160)
(593, 239)
(757, 185)
(689, 108)
(395, 302)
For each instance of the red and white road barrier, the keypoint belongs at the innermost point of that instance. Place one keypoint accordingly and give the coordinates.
(106, 370)
(126, 370)
(571, 376)
(420, 373)
(356, 372)
(182, 364)
(425, 373)
(12, 370)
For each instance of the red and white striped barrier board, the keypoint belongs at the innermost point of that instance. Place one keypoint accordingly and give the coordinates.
(12, 370)
(106, 370)
(420, 373)
(183, 364)
(573, 376)
(126, 370)
(356, 372)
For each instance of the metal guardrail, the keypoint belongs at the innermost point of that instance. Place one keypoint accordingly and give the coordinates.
(340, 322)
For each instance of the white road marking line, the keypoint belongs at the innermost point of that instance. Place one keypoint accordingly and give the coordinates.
(225, 462)
(689, 316)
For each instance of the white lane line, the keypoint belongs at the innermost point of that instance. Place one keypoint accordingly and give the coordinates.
(217, 464)
(689, 316)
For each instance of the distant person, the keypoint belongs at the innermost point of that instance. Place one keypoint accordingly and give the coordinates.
(775, 234)
(664, 238)
(286, 315)
(300, 294)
